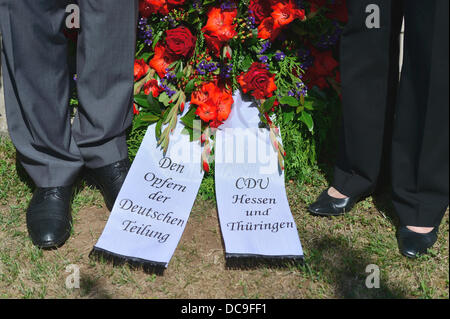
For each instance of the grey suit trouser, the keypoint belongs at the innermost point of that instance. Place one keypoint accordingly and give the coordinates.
(37, 80)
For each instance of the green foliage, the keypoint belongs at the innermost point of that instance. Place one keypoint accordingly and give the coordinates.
(134, 139)
(301, 152)
(207, 188)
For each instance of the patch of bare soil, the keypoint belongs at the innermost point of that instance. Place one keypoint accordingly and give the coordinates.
(197, 269)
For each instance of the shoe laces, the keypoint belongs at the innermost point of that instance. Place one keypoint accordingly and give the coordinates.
(50, 192)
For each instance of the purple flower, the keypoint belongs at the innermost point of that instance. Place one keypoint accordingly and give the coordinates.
(265, 45)
(279, 56)
(145, 32)
(263, 58)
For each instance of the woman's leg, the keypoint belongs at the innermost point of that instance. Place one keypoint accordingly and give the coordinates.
(420, 143)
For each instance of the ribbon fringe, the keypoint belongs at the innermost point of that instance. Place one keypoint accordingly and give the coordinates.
(149, 267)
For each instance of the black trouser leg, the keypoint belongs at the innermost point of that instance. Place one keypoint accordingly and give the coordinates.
(369, 70)
(420, 143)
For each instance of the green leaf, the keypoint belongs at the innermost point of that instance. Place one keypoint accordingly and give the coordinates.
(150, 118)
(288, 117)
(189, 118)
(308, 120)
(156, 39)
(289, 100)
(159, 129)
(247, 63)
(309, 105)
(154, 105)
(146, 56)
(164, 98)
(268, 104)
(188, 131)
(190, 87)
(142, 100)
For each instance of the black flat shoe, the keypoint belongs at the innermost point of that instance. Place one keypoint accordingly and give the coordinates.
(48, 217)
(109, 179)
(330, 206)
(412, 244)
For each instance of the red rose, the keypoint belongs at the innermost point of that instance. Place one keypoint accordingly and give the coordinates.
(322, 68)
(214, 44)
(338, 11)
(180, 42)
(258, 81)
(324, 62)
(157, 6)
(176, 2)
(145, 9)
(316, 5)
(259, 9)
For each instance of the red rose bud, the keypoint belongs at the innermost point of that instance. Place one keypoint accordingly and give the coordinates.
(206, 166)
(135, 109)
(227, 52)
(182, 107)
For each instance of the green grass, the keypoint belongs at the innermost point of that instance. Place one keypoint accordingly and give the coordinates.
(337, 252)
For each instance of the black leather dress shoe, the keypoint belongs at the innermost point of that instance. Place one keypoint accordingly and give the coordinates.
(48, 217)
(412, 244)
(330, 206)
(109, 179)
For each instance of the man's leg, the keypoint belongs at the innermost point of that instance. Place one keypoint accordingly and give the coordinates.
(36, 81)
(106, 51)
(420, 143)
(34, 61)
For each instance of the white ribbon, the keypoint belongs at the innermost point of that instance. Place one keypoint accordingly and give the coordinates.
(254, 212)
(154, 204)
